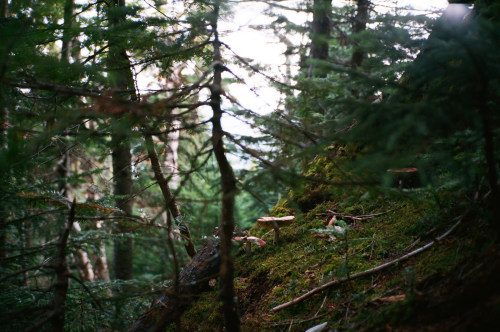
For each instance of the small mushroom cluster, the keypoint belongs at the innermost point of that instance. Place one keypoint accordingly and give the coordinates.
(266, 222)
(248, 240)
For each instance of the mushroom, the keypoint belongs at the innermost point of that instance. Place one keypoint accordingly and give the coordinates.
(275, 223)
(405, 177)
(247, 240)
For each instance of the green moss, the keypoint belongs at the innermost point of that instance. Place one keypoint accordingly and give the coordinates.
(275, 274)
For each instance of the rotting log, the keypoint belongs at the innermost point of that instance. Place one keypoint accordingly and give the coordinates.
(193, 280)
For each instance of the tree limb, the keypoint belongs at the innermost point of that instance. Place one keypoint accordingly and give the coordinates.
(170, 202)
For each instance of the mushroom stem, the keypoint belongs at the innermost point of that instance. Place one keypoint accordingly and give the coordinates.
(276, 235)
(275, 223)
(248, 248)
(276, 232)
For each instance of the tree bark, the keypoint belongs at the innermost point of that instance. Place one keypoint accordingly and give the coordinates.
(101, 270)
(68, 24)
(62, 272)
(320, 34)
(4, 8)
(82, 260)
(121, 79)
(122, 173)
(83, 265)
(193, 280)
(4, 124)
(228, 183)
(170, 202)
(358, 25)
(101, 264)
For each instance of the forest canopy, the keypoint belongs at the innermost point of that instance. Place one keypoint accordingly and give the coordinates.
(125, 182)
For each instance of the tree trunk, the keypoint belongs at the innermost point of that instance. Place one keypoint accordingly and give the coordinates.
(82, 260)
(101, 264)
(320, 35)
(228, 183)
(62, 272)
(4, 8)
(122, 174)
(68, 24)
(193, 280)
(101, 270)
(4, 124)
(121, 79)
(171, 158)
(358, 25)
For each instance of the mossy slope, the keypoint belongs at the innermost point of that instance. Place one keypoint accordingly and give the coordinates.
(310, 254)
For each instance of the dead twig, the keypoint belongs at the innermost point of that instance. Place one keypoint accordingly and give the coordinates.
(356, 218)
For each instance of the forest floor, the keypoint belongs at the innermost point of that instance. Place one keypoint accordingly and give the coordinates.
(452, 286)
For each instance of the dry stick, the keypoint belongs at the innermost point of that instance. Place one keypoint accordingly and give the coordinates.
(167, 195)
(369, 271)
(359, 218)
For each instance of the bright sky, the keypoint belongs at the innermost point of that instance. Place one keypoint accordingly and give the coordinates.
(263, 47)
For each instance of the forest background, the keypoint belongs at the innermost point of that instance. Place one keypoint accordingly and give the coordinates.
(111, 186)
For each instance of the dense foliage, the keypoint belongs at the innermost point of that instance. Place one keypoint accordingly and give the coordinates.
(93, 228)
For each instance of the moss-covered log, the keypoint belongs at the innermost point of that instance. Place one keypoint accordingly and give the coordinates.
(193, 280)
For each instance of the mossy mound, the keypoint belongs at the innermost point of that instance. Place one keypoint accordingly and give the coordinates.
(372, 226)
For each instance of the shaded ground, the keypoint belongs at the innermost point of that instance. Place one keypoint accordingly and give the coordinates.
(467, 298)
(454, 286)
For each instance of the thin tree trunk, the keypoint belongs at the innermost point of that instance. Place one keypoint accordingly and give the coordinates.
(121, 79)
(63, 168)
(122, 174)
(228, 183)
(83, 264)
(101, 264)
(4, 124)
(171, 159)
(101, 270)
(4, 8)
(359, 24)
(170, 202)
(68, 24)
(62, 282)
(320, 34)
(82, 260)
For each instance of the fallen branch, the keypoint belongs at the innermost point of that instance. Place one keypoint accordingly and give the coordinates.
(356, 218)
(369, 271)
